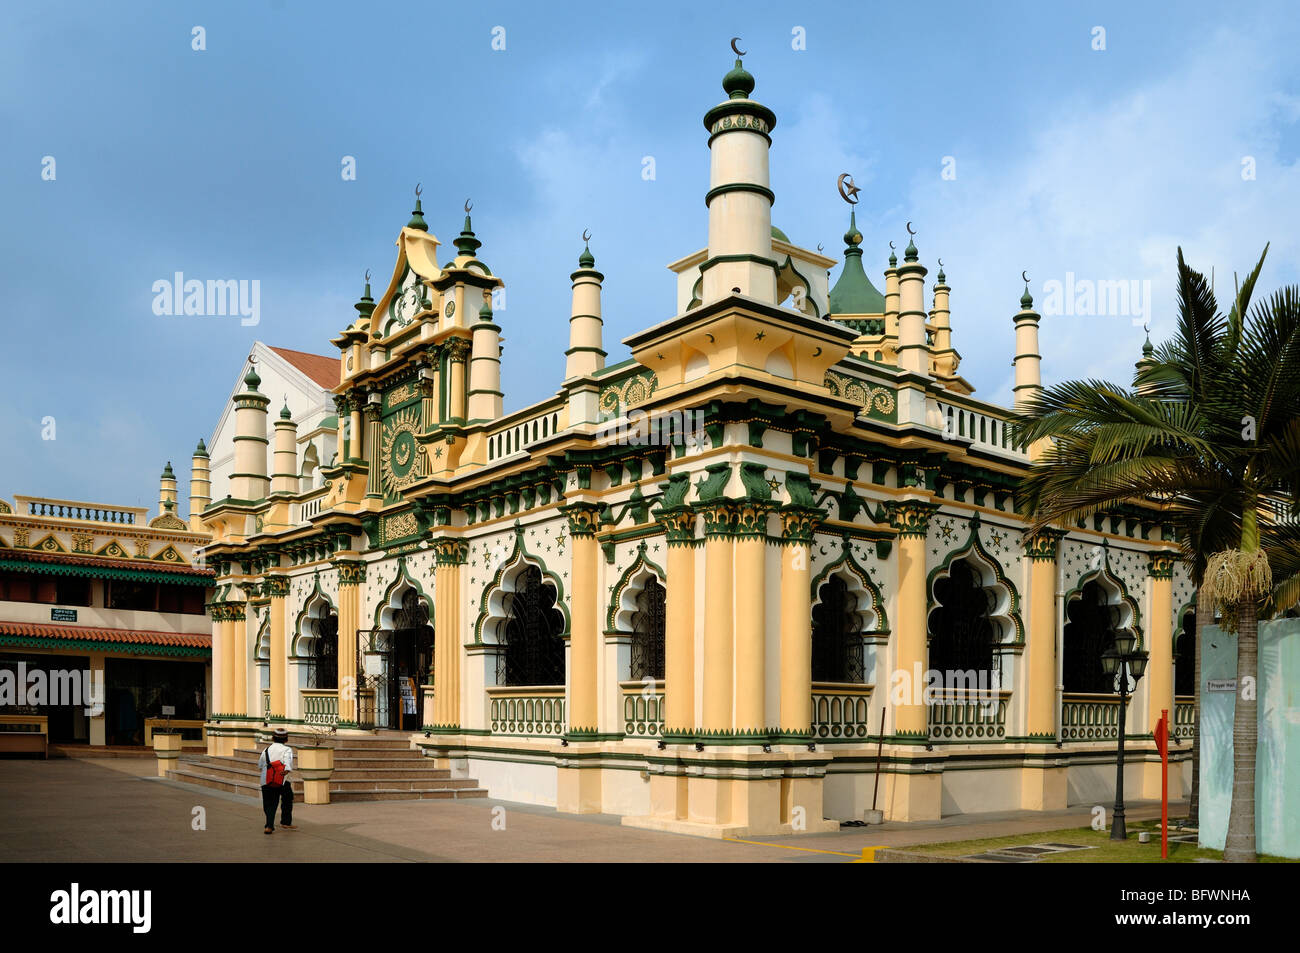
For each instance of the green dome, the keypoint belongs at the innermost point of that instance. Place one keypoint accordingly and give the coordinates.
(586, 259)
(781, 236)
(417, 218)
(1026, 300)
(201, 450)
(251, 378)
(853, 292)
(738, 84)
(284, 412)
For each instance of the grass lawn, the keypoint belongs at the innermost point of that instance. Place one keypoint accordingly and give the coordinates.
(1106, 851)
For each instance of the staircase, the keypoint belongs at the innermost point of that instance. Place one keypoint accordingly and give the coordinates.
(383, 768)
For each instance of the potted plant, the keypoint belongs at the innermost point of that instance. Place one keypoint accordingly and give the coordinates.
(316, 764)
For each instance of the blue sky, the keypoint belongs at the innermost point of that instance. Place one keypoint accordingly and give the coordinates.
(225, 163)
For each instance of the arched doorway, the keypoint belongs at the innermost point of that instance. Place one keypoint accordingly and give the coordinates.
(1091, 623)
(648, 632)
(1185, 657)
(961, 627)
(412, 661)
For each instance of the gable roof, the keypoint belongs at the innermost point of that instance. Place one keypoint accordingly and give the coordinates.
(321, 369)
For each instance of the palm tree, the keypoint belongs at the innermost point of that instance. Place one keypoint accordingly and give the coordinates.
(1212, 435)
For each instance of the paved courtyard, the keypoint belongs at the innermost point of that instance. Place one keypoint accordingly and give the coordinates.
(87, 809)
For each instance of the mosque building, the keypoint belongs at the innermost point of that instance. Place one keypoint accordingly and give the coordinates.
(704, 588)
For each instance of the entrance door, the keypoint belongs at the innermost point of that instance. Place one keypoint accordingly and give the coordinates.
(412, 662)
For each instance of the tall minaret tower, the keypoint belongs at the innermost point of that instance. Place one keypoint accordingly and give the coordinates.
(1028, 361)
(586, 353)
(249, 481)
(167, 491)
(284, 478)
(740, 196)
(891, 308)
(913, 352)
(485, 366)
(200, 487)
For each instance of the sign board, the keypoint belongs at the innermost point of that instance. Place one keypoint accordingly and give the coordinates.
(408, 695)
(169, 711)
(373, 663)
(1221, 685)
(63, 615)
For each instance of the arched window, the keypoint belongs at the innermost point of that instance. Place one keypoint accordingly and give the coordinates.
(534, 650)
(648, 632)
(1185, 656)
(961, 632)
(323, 663)
(1089, 631)
(836, 634)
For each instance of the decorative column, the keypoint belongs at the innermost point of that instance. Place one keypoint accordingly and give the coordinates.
(485, 367)
(429, 391)
(1043, 787)
(911, 518)
(1040, 647)
(352, 576)
(449, 555)
(167, 490)
(278, 588)
(239, 659)
(719, 617)
(1160, 665)
(374, 486)
(891, 307)
(750, 586)
(584, 638)
(200, 487)
(249, 480)
(679, 623)
(797, 527)
(458, 350)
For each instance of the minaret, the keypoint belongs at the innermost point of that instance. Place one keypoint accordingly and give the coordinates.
(285, 476)
(585, 355)
(891, 307)
(249, 482)
(1148, 359)
(485, 366)
(200, 487)
(740, 197)
(946, 359)
(1028, 361)
(913, 354)
(167, 491)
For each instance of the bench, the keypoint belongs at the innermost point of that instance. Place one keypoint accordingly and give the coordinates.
(25, 734)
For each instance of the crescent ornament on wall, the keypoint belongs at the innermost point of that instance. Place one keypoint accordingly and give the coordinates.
(734, 48)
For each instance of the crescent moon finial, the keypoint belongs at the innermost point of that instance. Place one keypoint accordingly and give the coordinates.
(1025, 276)
(940, 262)
(1147, 327)
(848, 191)
(367, 276)
(468, 205)
(734, 48)
(819, 247)
(586, 234)
(418, 191)
(892, 247)
(909, 229)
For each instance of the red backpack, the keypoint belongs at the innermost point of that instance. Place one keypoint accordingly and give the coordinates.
(274, 770)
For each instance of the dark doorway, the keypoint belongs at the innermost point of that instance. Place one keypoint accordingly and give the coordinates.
(1185, 657)
(1089, 631)
(961, 633)
(412, 662)
(67, 719)
(836, 634)
(534, 644)
(648, 632)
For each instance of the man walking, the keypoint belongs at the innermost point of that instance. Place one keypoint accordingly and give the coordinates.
(273, 767)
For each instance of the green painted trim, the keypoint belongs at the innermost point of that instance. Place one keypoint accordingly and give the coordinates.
(95, 645)
(94, 572)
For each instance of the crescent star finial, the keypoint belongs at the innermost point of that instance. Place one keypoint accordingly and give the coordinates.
(848, 191)
(909, 229)
(468, 205)
(586, 234)
(735, 49)
(1025, 276)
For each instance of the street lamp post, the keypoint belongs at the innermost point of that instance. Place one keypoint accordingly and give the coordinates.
(1122, 661)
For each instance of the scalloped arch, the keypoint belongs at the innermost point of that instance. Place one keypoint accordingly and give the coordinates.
(860, 584)
(404, 579)
(1006, 611)
(317, 605)
(622, 601)
(493, 605)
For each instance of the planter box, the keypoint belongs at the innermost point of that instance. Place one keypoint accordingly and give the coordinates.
(315, 765)
(168, 749)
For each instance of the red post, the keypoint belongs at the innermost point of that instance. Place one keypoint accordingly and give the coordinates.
(1162, 745)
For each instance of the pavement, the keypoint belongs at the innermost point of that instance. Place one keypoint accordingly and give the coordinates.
(116, 809)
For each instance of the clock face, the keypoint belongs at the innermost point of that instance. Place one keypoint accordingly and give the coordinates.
(406, 304)
(451, 309)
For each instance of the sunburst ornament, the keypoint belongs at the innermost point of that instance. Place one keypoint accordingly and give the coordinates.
(400, 454)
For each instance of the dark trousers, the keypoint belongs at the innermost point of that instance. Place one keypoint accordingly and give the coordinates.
(273, 795)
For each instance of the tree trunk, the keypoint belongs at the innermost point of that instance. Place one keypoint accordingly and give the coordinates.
(1204, 617)
(1239, 846)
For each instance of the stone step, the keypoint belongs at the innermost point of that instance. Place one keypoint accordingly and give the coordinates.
(344, 772)
(349, 754)
(431, 791)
